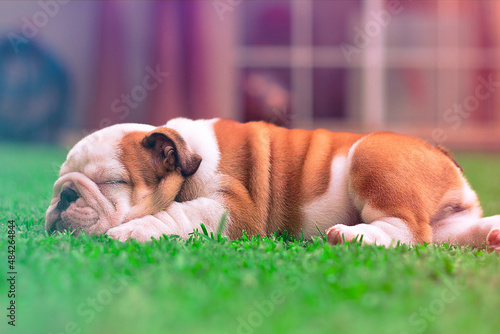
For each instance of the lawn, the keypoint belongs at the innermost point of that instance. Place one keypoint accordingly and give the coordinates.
(275, 284)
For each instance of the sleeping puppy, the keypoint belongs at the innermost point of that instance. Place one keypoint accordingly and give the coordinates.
(137, 181)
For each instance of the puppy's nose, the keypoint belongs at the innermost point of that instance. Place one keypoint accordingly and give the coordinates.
(67, 197)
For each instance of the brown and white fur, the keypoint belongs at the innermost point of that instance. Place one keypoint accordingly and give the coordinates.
(137, 181)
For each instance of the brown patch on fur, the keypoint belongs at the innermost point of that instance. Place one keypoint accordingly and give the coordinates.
(270, 172)
(157, 163)
(404, 177)
(446, 152)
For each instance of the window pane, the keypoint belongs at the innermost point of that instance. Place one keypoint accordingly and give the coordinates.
(476, 101)
(330, 93)
(411, 96)
(333, 21)
(477, 24)
(465, 98)
(266, 22)
(413, 24)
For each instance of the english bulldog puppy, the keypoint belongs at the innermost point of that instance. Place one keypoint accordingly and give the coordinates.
(138, 181)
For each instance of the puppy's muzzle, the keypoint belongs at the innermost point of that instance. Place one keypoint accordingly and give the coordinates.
(90, 210)
(68, 196)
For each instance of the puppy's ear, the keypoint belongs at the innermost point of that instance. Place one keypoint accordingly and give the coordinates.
(170, 151)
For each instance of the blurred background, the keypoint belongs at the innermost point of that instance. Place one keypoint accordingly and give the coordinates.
(424, 68)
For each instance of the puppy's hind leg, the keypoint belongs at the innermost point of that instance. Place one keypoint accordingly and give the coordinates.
(461, 222)
(468, 229)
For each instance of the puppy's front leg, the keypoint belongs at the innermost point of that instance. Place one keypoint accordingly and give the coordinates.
(179, 218)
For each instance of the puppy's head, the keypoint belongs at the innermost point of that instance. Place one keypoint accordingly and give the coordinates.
(117, 174)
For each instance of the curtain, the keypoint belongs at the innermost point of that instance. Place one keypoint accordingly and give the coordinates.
(187, 40)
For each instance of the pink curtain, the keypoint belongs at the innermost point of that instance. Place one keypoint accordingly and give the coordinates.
(169, 100)
(110, 74)
(188, 40)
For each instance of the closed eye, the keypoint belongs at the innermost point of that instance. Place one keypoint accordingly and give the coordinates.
(114, 182)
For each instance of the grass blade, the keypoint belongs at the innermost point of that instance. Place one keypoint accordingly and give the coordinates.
(323, 236)
(204, 229)
(222, 223)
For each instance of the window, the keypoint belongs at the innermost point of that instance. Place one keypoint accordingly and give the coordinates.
(424, 58)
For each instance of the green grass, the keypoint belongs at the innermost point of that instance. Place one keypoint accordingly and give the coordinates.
(275, 284)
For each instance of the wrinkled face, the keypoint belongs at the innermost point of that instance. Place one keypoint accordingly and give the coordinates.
(117, 174)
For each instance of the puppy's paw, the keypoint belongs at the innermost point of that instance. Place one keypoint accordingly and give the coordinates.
(493, 240)
(339, 233)
(334, 235)
(142, 230)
